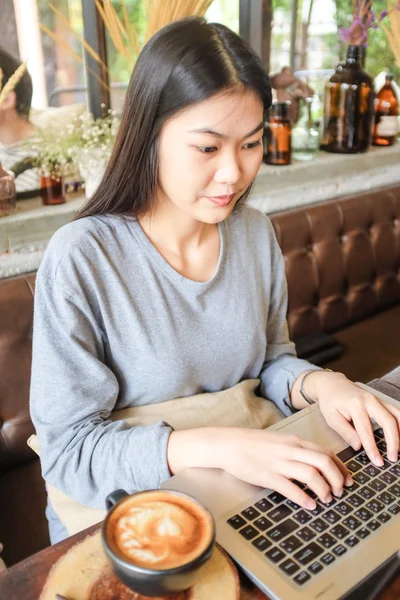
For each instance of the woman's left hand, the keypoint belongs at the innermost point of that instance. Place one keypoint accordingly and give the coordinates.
(348, 409)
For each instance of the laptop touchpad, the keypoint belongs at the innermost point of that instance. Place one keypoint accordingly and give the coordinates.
(312, 426)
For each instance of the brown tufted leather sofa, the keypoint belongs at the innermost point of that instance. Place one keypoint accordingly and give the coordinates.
(23, 529)
(342, 264)
(343, 271)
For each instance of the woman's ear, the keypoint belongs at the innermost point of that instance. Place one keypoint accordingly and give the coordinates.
(10, 101)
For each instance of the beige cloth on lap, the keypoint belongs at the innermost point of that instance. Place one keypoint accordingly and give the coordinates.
(236, 407)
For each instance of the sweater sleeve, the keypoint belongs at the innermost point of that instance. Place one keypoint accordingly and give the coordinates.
(281, 366)
(73, 392)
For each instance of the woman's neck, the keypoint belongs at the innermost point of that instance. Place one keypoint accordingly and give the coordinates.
(190, 247)
(168, 227)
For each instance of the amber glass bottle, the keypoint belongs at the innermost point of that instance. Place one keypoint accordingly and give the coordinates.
(349, 106)
(277, 135)
(386, 125)
(52, 190)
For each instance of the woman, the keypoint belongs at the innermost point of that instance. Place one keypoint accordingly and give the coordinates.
(165, 287)
(16, 130)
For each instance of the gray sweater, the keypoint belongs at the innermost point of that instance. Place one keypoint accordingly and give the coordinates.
(116, 326)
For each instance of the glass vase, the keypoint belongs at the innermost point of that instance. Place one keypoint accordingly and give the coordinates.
(7, 192)
(305, 137)
(52, 190)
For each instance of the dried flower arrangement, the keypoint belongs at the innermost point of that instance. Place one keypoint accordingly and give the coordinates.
(49, 152)
(89, 141)
(86, 141)
(123, 34)
(364, 19)
(393, 34)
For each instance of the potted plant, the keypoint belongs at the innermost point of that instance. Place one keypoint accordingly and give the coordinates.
(51, 155)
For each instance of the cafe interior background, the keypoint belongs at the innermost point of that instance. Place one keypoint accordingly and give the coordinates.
(330, 181)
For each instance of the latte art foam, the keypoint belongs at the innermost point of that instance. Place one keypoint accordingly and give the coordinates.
(157, 530)
(154, 532)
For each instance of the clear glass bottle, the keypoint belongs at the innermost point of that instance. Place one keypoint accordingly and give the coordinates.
(305, 137)
(386, 126)
(277, 135)
(7, 192)
(323, 131)
(349, 106)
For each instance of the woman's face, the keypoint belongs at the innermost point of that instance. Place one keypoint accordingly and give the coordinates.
(209, 154)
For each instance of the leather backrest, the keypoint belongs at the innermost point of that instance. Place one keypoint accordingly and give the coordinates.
(16, 314)
(342, 259)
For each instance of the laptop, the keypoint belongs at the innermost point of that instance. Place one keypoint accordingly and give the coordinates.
(296, 554)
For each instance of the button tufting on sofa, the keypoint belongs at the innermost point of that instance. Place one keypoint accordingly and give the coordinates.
(352, 273)
(20, 476)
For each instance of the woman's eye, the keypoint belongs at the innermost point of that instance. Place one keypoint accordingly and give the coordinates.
(207, 149)
(252, 145)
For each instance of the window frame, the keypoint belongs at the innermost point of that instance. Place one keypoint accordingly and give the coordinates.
(255, 20)
(95, 35)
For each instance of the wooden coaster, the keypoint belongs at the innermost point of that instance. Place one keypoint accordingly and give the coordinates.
(84, 573)
(109, 587)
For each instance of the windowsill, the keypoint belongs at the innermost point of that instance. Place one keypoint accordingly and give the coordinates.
(25, 234)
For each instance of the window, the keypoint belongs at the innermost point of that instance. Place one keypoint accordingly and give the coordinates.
(315, 51)
(226, 12)
(120, 66)
(58, 76)
(56, 56)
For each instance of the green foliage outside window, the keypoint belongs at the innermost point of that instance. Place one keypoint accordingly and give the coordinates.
(119, 65)
(226, 10)
(379, 56)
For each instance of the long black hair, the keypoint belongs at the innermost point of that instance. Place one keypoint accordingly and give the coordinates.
(182, 64)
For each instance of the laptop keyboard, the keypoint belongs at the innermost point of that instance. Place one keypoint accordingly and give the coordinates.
(302, 543)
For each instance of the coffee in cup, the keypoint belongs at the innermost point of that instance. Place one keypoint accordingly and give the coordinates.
(157, 540)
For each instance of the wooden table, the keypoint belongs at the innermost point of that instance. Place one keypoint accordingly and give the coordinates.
(25, 580)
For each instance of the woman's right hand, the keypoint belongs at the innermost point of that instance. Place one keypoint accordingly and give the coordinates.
(263, 458)
(272, 460)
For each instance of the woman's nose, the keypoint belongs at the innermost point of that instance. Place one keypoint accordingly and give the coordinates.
(228, 173)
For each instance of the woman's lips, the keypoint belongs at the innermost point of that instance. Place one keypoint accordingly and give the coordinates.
(221, 200)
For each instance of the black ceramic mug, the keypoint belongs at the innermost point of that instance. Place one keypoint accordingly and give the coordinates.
(157, 540)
